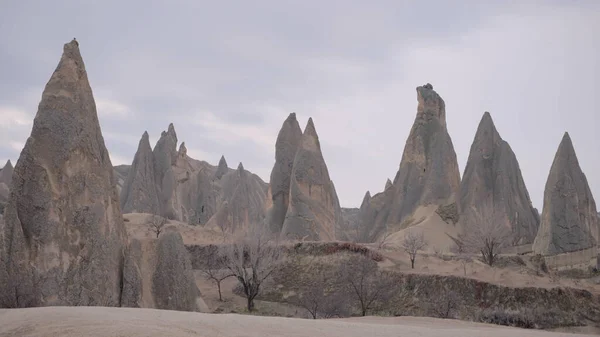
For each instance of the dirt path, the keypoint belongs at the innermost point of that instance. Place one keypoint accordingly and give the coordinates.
(127, 322)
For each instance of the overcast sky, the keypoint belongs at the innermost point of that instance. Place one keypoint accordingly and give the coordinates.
(227, 74)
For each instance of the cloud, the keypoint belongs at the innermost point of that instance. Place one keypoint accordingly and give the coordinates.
(228, 75)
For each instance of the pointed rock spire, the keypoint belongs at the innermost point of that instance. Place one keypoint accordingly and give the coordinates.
(366, 200)
(428, 171)
(313, 211)
(388, 184)
(64, 230)
(138, 194)
(182, 150)
(493, 187)
(569, 221)
(6, 173)
(286, 146)
(222, 168)
(240, 167)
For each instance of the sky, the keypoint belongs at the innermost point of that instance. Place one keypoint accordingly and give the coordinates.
(228, 73)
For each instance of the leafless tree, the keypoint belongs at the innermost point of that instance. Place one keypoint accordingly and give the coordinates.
(368, 285)
(463, 257)
(444, 306)
(157, 223)
(413, 242)
(322, 297)
(485, 236)
(384, 240)
(252, 258)
(215, 267)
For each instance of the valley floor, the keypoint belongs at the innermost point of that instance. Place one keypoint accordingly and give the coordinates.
(128, 322)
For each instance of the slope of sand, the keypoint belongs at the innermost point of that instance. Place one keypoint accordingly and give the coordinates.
(128, 322)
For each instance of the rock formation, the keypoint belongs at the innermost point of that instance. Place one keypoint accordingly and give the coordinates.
(493, 178)
(569, 221)
(243, 201)
(120, 174)
(186, 189)
(428, 171)
(166, 266)
(313, 212)
(63, 236)
(138, 194)
(222, 168)
(6, 173)
(286, 146)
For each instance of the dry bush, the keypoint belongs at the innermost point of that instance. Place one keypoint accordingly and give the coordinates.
(331, 248)
(446, 305)
(322, 298)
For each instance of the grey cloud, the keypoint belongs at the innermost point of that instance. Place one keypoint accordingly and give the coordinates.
(352, 65)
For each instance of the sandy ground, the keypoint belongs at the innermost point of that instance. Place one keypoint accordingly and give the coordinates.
(127, 322)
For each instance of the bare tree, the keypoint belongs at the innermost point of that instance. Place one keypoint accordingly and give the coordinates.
(365, 282)
(157, 223)
(444, 306)
(412, 244)
(321, 297)
(384, 240)
(252, 259)
(215, 267)
(485, 236)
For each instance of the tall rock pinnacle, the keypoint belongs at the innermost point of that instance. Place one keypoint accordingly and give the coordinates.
(64, 235)
(492, 186)
(286, 147)
(139, 191)
(6, 173)
(313, 212)
(569, 221)
(428, 171)
(222, 168)
(165, 155)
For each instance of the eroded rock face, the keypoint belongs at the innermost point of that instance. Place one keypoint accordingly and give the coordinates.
(428, 171)
(313, 211)
(493, 178)
(165, 156)
(286, 146)
(6, 173)
(569, 220)
(63, 238)
(165, 263)
(243, 201)
(222, 168)
(138, 194)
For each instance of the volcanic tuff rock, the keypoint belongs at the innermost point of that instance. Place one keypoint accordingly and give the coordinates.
(493, 177)
(569, 219)
(243, 201)
(6, 173)
(428, 171)
(286, 146)
(138, 194)
(120, 176)
(63, 237)
(388, 184)
(166, 266)
(190, 190)
(314, 211)
(222, 168)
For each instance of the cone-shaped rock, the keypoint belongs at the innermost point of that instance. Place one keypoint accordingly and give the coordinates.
(138, 194)
(313, 211)
(388, 184)
(222, 168)
(286, 147)
(6, 173)
(493, 178)
(165, 156)
(63, 239)
(569, 221)
(166, 266)
(428, 171)
(243, 204)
